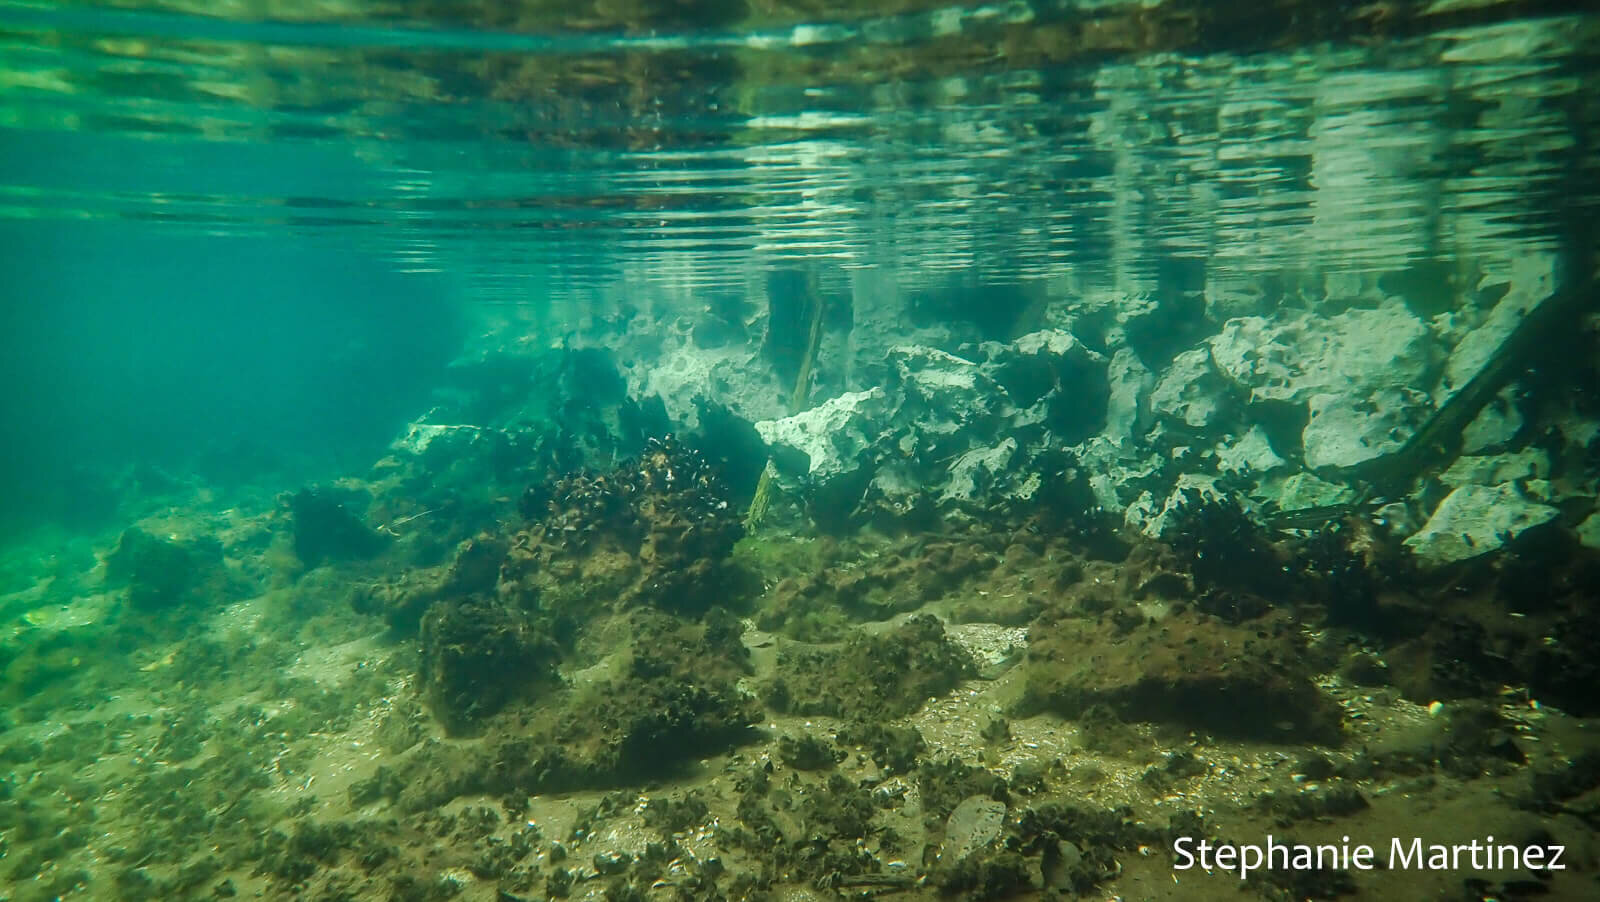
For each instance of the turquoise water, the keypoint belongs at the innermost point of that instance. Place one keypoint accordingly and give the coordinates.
(170, 167)
(553, 160)
(1151, 445)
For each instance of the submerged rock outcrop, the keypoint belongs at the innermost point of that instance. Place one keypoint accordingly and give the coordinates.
(945, 432)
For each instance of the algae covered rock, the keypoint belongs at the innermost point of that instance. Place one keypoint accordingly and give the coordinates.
(672, 698)
(657, 530)
(161, 572)
(1250, 681)
(871, 677)
(479, 655)
(402, 600)
(325, 530)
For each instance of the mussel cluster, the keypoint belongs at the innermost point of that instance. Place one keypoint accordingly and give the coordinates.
(669, 479)
(1235, 567)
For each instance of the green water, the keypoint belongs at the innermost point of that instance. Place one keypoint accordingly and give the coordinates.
(379, 398)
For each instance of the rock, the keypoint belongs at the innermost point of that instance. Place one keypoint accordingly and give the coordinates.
(1350, 354)
(657, 530)
(947, 431)
(161, 572)
(1529, 463)
(871, 677)
(1354, 372)
(1589, 531)
(1119, 472)
(1495, 426)
(1474, 520)
(1529, 279)
(1250, 455)
(402, 601)
(420, 435)
(976, 471)
(1303, 490)
(975, 825)
(1363, 668)
(686, 377)
(1346, 430)
(325, 530)
(1253, 681)
(1128, 408)
(1192, 391)
(479, 655)
(1154, 521)
(831, 441)
(939, 395)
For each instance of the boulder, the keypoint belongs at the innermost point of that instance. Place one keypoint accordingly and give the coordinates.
(160, 573)
(829, 442)
(947, 430)
(1589, 531)
(1349, 354)
(1526, 281)
(1251, 455)
(1192, 391)
(1474, 520)
(1346, 430)
(1356, 373)
(1253, 681)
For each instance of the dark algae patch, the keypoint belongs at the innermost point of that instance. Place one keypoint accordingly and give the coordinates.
(1191, 670)
(870, 678)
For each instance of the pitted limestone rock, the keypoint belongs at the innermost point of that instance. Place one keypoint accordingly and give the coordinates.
(1476, 519)
(946, 429)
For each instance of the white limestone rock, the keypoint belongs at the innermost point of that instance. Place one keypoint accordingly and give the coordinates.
(834, 439)
(1153, 520)
(945, 428)
(1527, 280)
(1589, 531)
(1360, 373)
(1192, 391)
(1529, 463)
(1120, 471)
(1495, 425)
(420, 435)
(1345, 430)
(976, 472)
(1250, 455)
(1128, 409)
(1302, 490)
(684, 377)
(1350, 354)
(1474, 520)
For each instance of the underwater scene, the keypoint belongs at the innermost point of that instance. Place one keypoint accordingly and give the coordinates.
(797, 450)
